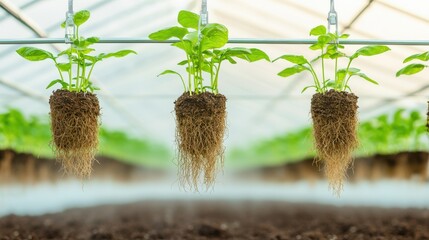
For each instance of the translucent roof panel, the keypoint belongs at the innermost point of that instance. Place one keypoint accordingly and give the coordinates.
(260, 104)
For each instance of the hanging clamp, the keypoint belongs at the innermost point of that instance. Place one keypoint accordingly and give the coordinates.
(204, 18)
(70, 26)
(333, 19)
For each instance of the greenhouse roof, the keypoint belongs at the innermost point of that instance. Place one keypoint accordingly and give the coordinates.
(260, 103)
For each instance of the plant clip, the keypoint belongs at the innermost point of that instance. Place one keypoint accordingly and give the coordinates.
(332, 19)
(69, 26)
(204, 18)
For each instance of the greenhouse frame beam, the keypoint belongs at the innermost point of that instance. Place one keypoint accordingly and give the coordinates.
(23, 91)
(21, 17)
(231, 41)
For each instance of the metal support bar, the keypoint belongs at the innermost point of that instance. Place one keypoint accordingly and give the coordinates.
(232, 41)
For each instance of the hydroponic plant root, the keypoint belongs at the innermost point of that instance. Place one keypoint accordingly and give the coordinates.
(75, 123)
(334, 117)
(201, 122)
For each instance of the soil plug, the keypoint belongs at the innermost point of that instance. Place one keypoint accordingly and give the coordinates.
(75, 123)
(334, 117)
(200, 126)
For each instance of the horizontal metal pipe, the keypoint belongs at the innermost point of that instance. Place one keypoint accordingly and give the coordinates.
(233, 40)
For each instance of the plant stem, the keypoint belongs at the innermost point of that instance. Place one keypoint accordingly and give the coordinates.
(71, 67)
(344, 83)
(59, 70)
(323, 71)
(189, 74)
(90, 71)
(336, 75)
(316, 79)
(84, 80)
(77, 73)
(215, 85)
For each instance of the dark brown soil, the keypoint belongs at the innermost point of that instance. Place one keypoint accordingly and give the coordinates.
(221, 220)
(334, 117)
(201, 121)
(75, 123)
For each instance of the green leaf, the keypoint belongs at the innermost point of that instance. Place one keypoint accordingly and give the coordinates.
(167, 33)
(188, 19)
(185, 45)
(317, 31)
(304, 89)
(411, 69)
(119, 54)
(58, 81)
(213, 36)
(182, 63)
(292, 70)
(234, 52)
(34, 54)
(176, 73)
(169, 72)
(316, 46)
(354, 70)
(92, 40)
(231, 60)
(297, 59)
(370, 51)
(341, 74)
(64, 67)
(422, 56)
(364, 76)
(256, 55)
(81, 17)
(248, 54)
(325, 39)
(344, 36)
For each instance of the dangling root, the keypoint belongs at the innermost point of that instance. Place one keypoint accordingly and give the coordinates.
(200, 128)
(335, 124)
(74, 123)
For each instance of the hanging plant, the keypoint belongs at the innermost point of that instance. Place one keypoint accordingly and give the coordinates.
(201, 109)
(75, 110)
(334, 106)
(414, 68)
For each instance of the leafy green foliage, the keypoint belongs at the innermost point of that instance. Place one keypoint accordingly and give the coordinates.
(75, 61)
(330, 49)
(203, 54)
(414, 68)
(383, 134)
(33, 135)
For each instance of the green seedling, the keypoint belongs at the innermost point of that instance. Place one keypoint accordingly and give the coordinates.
(75, 65)
(330, 49)
(203, 53)
(414, 68)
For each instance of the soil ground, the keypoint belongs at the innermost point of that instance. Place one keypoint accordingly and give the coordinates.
(220, 220)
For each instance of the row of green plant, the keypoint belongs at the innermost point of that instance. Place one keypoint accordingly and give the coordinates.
(333, 106)
(387, 133)
(201, 45)
(33, 135)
